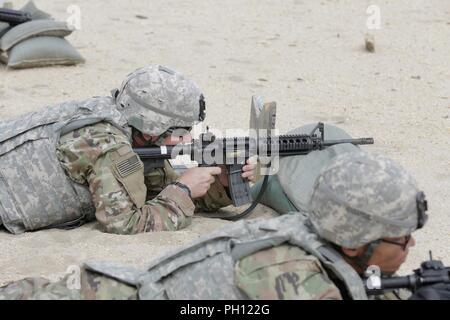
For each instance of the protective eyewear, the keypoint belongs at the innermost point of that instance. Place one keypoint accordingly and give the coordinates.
(402, 245)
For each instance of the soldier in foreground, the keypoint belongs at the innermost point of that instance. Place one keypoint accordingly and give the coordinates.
(363, 211)
(72, 163)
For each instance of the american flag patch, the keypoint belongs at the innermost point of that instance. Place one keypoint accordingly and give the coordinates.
(129, 166)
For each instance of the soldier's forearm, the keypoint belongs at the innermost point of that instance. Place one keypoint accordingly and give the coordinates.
(170, 210)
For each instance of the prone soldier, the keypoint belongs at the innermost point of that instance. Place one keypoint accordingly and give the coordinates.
(72, 163)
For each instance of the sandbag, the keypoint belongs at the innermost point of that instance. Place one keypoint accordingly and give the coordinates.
(43, 51)
(297, 174)
(290, 189)
(4, 57)
(32, 29)
(34, 12)
(274, 196)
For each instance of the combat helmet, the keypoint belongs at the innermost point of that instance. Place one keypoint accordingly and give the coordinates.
(155, 98)
(360, 198)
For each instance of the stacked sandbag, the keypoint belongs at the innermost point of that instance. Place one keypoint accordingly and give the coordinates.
(4, 27)
(37, 43)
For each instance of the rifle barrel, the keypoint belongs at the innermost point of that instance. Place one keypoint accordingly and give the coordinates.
(164, 152)
(359, 141)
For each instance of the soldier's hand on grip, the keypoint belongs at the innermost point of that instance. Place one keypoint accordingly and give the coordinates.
(199, 180)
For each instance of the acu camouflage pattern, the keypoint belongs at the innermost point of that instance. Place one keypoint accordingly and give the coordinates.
(34, 191)
(86, 285)
(38, 289)
(156, 98)
(181, 274)
(363, 197)
(97, 286)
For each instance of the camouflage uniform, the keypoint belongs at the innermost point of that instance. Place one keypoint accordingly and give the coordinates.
(281, 271)
(300, 276)
(295, 280)
(284, 271)
(85, 155)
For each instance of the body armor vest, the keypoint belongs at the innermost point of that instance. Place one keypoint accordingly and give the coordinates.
(35, 192)
(204, 269)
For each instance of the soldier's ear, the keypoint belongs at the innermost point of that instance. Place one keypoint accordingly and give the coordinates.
(114, 93)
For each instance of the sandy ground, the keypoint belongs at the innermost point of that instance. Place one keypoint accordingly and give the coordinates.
(306, 55)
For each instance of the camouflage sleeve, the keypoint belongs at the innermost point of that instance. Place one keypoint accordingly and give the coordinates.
(284, 273)
(97, 286)
(87, 285)
(86, 156)
(38, 289)
(213, 200)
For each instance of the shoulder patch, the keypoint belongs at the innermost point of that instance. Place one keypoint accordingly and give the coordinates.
(128, 166)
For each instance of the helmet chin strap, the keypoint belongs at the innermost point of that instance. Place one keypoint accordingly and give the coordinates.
(363, 261)
(160, 141)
